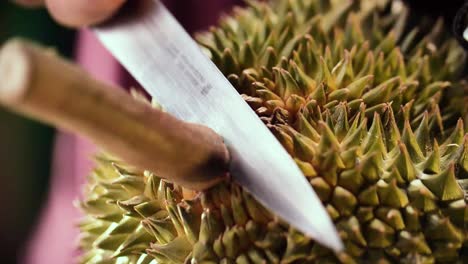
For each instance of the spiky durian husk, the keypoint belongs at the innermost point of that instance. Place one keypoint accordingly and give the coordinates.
(373, 113)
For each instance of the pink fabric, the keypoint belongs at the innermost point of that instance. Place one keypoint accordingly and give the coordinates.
(54, 241)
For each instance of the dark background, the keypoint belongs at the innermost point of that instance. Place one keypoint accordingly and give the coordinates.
(436, 8)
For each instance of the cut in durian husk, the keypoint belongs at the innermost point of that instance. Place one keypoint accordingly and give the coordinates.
(368, 102)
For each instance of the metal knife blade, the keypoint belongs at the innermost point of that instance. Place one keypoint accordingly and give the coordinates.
(162, 56)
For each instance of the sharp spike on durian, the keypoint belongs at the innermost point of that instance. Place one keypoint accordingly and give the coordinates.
(421, 197)
(349, 157)
(353, 227)
(290, 84)
(264, 93)
(442, 229)
(384, 183)
(374, 139)
(436, 120)
(412, 218)
(341, 121)
(230, 63)
(306, 168)
(136, 241)
(303, 147)
(322, 188)
(394, 174)
(456, 138)
(391, 195)
(355, 133)
(444, 185)
(392, 132)
(392, 217)
(381, 92)
(422, 132)
(189, 223)
(248, 55)
(404, 164)
(328, 140)
(306, 129)
(457, 212)
(339, 95)
(175, 251)
(371, 166)
(325, 75)
(210, 228)
(344, 201)
(357, 87)
(256, 211)
(284, 138)
(351, 180)
(379, 234)
(334, 214)
(343, 70)
(238, 207)
(432, 164)
(413, 242)
(369, 196)
(411, 143)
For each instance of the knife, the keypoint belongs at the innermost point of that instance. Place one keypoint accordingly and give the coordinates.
(39, 84)
(150, 43)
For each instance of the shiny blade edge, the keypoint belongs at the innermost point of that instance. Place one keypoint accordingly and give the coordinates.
(158, 52)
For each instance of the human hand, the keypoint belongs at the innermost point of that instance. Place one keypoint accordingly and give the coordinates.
(77, 13)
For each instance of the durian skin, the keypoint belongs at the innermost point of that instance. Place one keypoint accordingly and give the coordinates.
(373, 111)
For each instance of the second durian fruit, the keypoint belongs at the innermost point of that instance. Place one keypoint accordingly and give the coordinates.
(369, 103)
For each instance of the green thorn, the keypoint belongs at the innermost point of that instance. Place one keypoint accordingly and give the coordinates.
(444, 185)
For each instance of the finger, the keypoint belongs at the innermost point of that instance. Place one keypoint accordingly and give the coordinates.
(78, 13)
(29, 3)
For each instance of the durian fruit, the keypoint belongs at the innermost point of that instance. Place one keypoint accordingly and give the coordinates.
(371, 108)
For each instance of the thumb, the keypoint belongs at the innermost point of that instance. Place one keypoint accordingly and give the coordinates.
(78, 13)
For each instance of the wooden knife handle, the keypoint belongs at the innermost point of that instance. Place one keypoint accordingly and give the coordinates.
(38, 83)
